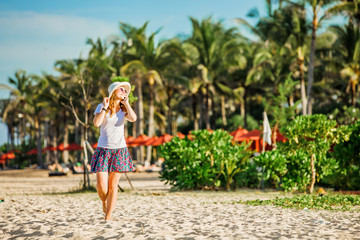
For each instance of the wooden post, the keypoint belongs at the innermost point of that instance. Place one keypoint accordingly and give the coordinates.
(313, 173)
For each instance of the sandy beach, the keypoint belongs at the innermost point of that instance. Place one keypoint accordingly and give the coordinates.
(40, 207)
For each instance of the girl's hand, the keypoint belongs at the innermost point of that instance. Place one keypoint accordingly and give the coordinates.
(106, 102)
(125, 100)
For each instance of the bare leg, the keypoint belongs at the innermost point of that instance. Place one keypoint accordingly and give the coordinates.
(102, 187)
(114, 178)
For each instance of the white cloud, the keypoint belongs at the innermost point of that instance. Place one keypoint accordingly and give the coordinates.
(34, 41)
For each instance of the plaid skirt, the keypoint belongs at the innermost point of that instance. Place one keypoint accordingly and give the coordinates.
(111, 160)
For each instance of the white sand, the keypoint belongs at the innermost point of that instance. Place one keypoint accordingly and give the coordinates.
(152, 212)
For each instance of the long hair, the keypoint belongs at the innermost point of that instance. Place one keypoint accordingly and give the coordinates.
(112, 106)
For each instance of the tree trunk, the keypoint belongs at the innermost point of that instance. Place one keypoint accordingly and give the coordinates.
(22, 130)
(223, 113)
(133, 151)
(207, 108)
(78, 138)
(303, 92)
(353, 94)
(174, 125)
(66, 139)
(46, 142)
(54, 143)
(313, 173)
(195, 112)
(86, 160)
(245, 110)
(151, 127)
(311, 64)
(11, 131)
(291, 100)
(169, 113)
(140, 121)
(38, 142)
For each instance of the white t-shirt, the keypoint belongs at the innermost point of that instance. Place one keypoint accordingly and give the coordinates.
(111, 130)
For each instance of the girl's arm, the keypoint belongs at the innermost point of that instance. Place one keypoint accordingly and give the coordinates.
(131, 115)
(99, 117)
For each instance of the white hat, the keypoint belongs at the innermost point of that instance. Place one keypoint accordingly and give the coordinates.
(116, 85)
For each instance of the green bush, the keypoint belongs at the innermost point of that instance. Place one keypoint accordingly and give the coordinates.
(249, 177)
(309, 137)
(347, 153)
(274, 166)
(209, 160)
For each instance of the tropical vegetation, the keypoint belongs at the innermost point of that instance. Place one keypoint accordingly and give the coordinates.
(298, 65)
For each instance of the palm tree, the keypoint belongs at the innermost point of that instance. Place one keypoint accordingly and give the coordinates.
(350, 8)
(19, 95)
(348, 45)
(316, 7)
(213, 43)
(147, 63)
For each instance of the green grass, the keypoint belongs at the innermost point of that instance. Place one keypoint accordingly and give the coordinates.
(325, 202)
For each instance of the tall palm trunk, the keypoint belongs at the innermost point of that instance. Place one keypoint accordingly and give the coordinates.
(353, 94)
(207, 107)
(66, 139)
(54, 143)
(303, 93)
(77, 131)
(195, 112)
(151, 122)
(223, 113)
(140, 121)
(46, 142)
(302, 85)
(169, 113)
(38, 141)
(311, 63)
(245, 108)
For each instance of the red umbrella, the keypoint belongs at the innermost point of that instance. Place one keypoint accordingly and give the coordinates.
(180, 135)
(190, 136)
(129, 139)
(73, 147)
(139, 140)
(162, 139)
(7, 156)
(252, 135)
(32, 152)
(61, 147)
(49, 148)
(151, 140)
(238, 133)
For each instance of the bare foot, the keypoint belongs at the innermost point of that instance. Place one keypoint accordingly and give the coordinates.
(104, 206)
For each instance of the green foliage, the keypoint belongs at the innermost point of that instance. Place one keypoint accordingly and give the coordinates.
(347, 153)
(308, 135)
(274, 165)
(249, 177)
(290, 165)
(209, 160)
(331, 202)
(346, 115)
(279, 107)
(120, 79)
(237, 120)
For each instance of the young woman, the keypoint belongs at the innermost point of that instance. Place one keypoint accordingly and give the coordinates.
(111, 157)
